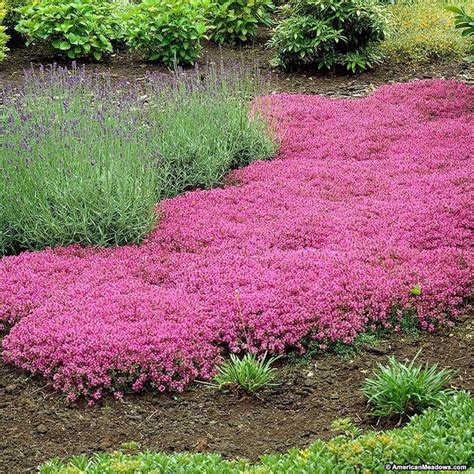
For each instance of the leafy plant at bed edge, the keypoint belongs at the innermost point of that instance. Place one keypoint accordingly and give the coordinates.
(404, 389)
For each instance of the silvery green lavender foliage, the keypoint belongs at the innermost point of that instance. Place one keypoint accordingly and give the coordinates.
(84, 161)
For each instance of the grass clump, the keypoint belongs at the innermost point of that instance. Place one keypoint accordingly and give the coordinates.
(405, 389)
(248, 374)
(438, 436)
(421, 31)
(84, 161)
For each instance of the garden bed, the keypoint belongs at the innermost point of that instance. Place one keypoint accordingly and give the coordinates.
(184, 217)
(126, 65)
(339, 236)
(36, 425)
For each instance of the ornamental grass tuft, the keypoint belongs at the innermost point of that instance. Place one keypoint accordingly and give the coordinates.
(404, 389)
(249, 373)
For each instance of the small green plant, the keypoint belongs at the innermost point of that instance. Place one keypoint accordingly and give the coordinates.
(405, 389)
(130, 446)
(249, 373)
(3, 35)
(75, 28)
(168, 31)
(347, 427)
(464, 22)
(404, 321)
(365, 339)
(236, 21)
(329, 33)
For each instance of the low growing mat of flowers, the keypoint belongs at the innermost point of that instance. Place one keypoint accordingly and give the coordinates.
(363, 218)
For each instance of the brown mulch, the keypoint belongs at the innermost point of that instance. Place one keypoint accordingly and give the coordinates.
(123, 64)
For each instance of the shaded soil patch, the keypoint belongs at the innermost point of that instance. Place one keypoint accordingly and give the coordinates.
(36, 424)
(129, 66)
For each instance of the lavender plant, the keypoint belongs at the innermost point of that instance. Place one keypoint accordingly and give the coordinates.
(83, 160)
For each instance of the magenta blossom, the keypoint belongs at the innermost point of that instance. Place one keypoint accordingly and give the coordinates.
(365, 214)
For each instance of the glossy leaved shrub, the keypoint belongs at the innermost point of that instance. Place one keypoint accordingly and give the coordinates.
(464, 22)
(75, 28)
(328, 33)
(12, 16)
(237, 21)
(168, 31)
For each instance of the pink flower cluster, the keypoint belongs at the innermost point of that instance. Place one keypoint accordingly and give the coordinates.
(367, 200)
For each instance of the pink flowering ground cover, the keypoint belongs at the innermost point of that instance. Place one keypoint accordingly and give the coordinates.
(365, 214)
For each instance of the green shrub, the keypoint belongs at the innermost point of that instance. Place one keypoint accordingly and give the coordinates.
(464, 22)
(249, 374)
(169, 31)
(3, 35)
(328, 33)
(13, 16)
(236, 21)
(438, 436)
(105, 155)
(421, 31)
(400, 389)
(75, 28)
